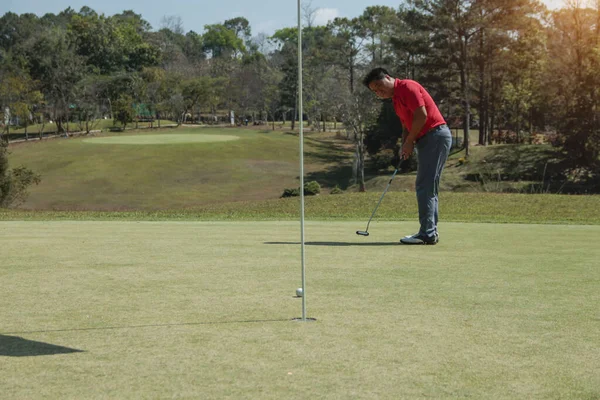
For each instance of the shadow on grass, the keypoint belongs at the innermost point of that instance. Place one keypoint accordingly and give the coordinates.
(340, 175)
(544, 167)
(521, 162)
(13, 346)
(105, 328)
(340, 244)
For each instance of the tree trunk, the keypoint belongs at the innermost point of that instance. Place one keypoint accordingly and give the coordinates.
(59, 126)
(41, 132)
(361, 164)
(464, 83)
(110, 108)
(492, 126)
(518, 128)
(482, 102)
(352, 76)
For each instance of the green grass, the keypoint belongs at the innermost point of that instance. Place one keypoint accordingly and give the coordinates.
(160, 139)
(78, 175)
(203, 310)
(252, 172)
(458, 207)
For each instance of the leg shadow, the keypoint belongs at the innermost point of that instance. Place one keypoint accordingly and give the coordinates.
(14, 346)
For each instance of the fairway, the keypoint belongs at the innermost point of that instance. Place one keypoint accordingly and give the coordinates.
(186, 168)
(203, 310)
(161, 139)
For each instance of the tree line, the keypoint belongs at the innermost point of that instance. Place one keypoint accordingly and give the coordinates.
(508, 69)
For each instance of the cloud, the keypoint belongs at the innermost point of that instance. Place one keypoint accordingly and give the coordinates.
(324, 15)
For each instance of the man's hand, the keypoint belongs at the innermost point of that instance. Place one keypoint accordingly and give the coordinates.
(407, 149)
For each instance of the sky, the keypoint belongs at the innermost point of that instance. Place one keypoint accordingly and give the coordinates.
(265, 16)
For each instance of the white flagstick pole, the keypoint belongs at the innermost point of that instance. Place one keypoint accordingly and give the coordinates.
(300, 113)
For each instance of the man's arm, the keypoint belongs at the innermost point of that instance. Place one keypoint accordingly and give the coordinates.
(408, 140)
(419, 120)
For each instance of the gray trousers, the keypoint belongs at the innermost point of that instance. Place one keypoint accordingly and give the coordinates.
(432, 153)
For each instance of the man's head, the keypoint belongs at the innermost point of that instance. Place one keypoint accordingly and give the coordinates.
(380, 83)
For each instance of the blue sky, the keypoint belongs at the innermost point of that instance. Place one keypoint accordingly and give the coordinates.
(264, 15)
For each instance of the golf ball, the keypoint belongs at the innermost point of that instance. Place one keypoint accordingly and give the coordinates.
(299, 292)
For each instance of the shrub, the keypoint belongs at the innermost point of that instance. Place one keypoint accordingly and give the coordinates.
(291, 192)
(310, 189)
(383, 160)
(14, 183)
(336, 190)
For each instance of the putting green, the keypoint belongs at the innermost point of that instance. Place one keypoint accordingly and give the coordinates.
(161, 139)
(203, 310)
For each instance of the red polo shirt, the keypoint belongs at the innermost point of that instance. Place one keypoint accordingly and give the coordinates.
(410, 95)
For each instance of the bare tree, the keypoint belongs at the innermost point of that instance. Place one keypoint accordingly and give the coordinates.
(174, 23)
(359, 113)
(309, 14)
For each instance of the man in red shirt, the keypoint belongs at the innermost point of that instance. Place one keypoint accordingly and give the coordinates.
(425, 129)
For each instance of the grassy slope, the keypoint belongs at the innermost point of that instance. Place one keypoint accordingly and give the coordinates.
(81, 175)
(244, 178)
(202, 310)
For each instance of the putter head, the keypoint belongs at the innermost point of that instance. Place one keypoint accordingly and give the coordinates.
(362, 233)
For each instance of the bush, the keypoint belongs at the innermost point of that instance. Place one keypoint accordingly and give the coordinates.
(13, 183)
(383, 160)
(310, 189)
(336, 190)
(581, 175)
(291, 192)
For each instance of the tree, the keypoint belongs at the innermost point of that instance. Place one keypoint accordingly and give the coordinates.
(20, 95)
(385, 133)
(575, 51)
(377, 23)
(286, 57)
(347, 46)
(53, 62)
(13, 183)
(123, 110)
(89, 98)
(196, 92)
(156, 89)
(221, 41)
(454, 26)
(193, 47)
(359, 115)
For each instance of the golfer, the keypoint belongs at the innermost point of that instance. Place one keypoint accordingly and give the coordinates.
(425, 129)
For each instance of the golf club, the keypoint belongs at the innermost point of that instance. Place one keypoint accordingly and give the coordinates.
(366, 231)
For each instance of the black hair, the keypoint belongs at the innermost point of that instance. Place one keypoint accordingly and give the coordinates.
(376, 74)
